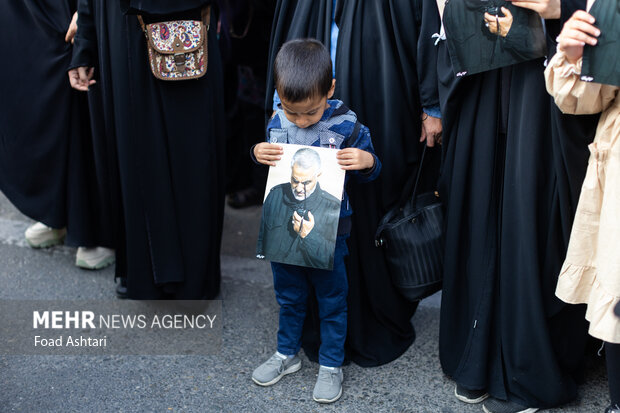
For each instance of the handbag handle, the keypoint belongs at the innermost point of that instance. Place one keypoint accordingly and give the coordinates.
(411, 182)
(417, 179)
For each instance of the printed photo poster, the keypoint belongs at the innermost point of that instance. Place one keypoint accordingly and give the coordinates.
(301, 208)
(601, 63)
(483, 35)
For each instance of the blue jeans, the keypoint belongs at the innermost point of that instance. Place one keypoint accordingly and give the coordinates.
(291, 283)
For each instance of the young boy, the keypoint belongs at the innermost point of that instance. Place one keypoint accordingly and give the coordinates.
(306, 116)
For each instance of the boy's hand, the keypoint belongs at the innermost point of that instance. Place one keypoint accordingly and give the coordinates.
(268, 153)
(303, 226)
(578, 31)
(354, 159)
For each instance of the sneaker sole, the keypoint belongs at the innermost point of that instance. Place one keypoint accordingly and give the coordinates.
(292, 369)
(471, 401)
(105, 263)
(528, 410)
(45, 244)
(328, 400)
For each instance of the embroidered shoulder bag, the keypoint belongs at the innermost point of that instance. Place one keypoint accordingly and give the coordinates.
(178, 48)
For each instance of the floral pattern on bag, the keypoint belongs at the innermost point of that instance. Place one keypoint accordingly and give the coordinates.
(163, 35)
(164, 65)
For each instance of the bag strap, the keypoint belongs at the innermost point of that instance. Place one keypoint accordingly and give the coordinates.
(411, 185)
(417, 179)
(356, 131)
(142, 23)
(205, 16)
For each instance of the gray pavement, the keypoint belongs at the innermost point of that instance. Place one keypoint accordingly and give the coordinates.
(221, 382)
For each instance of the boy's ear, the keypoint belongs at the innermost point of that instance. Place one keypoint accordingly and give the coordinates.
(331, 89)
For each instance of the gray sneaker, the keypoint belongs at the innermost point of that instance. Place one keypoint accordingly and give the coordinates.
(328, 387)
(271, 371)
(494, 405)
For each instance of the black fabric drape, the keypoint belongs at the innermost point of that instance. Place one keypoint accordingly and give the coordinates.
(245, 126)
(46, 152)
(169, 144)
(376, 77)
(502, 328)
(160, 6)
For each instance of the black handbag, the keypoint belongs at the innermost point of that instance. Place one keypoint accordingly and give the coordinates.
(411, 236)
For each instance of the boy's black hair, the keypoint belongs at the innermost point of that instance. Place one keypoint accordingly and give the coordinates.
(302, 70)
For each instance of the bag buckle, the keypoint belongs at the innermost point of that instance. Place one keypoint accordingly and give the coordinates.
(179, 56)
(179, 61)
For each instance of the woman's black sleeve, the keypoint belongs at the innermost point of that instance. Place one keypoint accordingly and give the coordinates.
(427, 54)
(85, 42)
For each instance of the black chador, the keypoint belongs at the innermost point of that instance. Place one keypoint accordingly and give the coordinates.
(508, 209)
(376, 76)
(169, 139)
(48, 166)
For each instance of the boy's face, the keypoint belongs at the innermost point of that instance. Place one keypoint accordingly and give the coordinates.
(308, 112)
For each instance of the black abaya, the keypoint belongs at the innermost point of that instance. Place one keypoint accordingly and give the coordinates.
(244, 50)
(502, 328)
(376, 77)
(46, 152)
(169, 143)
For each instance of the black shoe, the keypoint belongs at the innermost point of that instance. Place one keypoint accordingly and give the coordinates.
(613, 409)
(121, 291)
(245, 198)
(470, 396)
(494, 405)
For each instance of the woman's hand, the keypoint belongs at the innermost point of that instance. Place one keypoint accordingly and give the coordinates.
(505, 22)
(578, 31)
(547, 9)
(72, 29)
(431, 131)
(81, 78)
(268, 153)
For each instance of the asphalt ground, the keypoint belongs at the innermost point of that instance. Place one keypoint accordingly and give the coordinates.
(219, 382)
